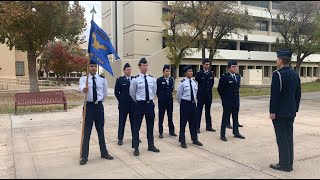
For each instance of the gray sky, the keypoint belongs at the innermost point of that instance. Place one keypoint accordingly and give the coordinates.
(97, 17)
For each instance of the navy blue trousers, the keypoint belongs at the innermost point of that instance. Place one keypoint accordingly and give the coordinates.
(94, 113)
(284, 133)
(143, 109)
(188, 113)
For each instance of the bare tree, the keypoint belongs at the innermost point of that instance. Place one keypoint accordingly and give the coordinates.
(185, 21)
(297, 26)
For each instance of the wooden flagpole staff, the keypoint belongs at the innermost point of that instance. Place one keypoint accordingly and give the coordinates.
(93, 11)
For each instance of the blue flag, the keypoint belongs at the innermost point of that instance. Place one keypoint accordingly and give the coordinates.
(100, 47)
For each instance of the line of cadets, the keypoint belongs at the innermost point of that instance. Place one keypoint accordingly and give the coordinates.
(136, 94)
(136, 100)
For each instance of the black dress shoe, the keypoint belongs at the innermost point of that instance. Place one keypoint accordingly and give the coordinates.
(183, 145)
(198, 131)
(172, 134)
(83, 161)
(153, 149)
(136, 152)
(120, 142)
(197, 143)
(211, 129)
(229, 127)
(161, 136)
(239, 136)
(107, 156)
(278, 167)
(240, 125)
(223, 138)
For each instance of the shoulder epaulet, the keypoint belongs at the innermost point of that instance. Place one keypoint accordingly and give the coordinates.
(150, 75)
(101, 76)
(133, 77)
(136, 76)
(183, 80)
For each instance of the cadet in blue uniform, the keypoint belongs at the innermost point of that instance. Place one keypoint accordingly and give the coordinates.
(228, 88)
(165, 86)
(205, 81)
(186, 96)
(126, 104)
(97, 91)
(143, 90)
(284, 104)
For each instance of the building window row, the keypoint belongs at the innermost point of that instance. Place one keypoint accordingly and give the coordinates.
(267, 71)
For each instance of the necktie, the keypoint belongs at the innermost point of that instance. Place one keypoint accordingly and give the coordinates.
(191, 92)
(94, 89)
(146, 88)
(234, 77)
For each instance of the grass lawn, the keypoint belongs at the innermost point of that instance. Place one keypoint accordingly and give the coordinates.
(75, 98)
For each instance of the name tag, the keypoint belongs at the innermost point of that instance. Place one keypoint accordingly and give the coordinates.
(124, 84)
(230, 81)
(163, 83)
(140, 82)
(210, 77)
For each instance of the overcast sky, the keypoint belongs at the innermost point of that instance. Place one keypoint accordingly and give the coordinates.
(97, 17)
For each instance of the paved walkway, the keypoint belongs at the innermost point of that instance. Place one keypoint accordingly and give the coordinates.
(46, 145)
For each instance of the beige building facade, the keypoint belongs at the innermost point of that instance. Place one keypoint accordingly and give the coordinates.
(136, 31)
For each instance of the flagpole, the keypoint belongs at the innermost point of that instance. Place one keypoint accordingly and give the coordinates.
(93, 11)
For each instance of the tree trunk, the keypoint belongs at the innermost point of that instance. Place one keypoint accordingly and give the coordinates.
(65, 77)
(298, 66)
(32, 68)
(174, 72)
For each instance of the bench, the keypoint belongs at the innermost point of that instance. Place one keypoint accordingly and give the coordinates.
(40, 98)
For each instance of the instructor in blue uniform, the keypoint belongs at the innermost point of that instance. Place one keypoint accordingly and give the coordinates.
(284, 104)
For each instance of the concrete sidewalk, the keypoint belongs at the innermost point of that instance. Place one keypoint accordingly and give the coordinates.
(46, 145)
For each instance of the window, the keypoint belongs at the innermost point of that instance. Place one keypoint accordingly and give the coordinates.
(261, 25)
(250, 67)
(274, 48)
(241, 69)
(315, 71)
(276, 4)
(214, 69)
(228, 45)
(20, 68)
(258, 67)
(263, 4)
(274, 68)
(223, 70)
(181, 73)
(302, 71)
(274, 28)
(266, 72)
(164, 42)
(254, 46)
(309, 74)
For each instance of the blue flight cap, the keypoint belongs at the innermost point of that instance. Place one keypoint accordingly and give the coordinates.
(285, 52)
(143, 61)
(127, 65)
(232, 62)
(186, 68)
(166, 66)
(92, 62)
